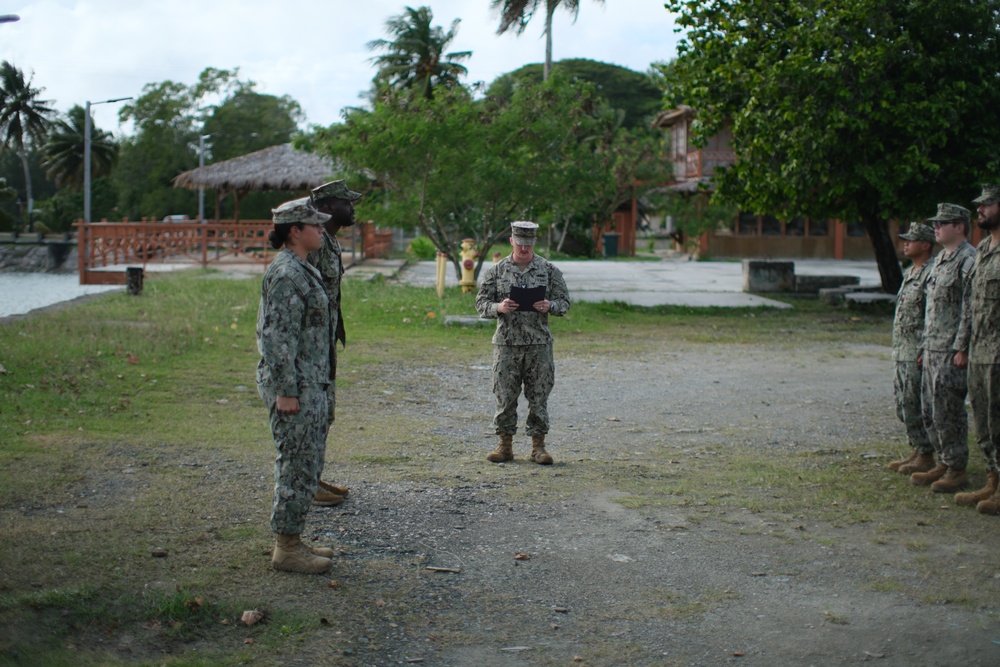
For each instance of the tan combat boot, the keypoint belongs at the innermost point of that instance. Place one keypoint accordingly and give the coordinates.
(991, 505)
(322, 552)
(504, 450)
(291, 555)
(335, 490)
(975, 497)
(538, 453)
(324, 498)
(895, 465)
(929, 477)
(952, 481)
(922, 463)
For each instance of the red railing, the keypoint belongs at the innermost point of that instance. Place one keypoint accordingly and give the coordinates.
(703, 163)
(105, 249)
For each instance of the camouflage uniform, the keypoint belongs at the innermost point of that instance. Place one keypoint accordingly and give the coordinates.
(294, 336)
(944, 384)
(907, 340)
(522, 344)
(330, 264)
(978, 335)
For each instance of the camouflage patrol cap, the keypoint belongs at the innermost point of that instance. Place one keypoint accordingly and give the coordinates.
(918, 231)
(298, 210)
(524, 232)
(334, 190)
(991, 194)
(948, 212)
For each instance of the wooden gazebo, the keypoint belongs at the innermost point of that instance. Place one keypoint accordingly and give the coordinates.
(278, 167)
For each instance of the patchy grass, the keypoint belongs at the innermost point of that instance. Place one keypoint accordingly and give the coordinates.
(131, 427)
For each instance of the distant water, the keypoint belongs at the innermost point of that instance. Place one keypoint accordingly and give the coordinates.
(23, 292)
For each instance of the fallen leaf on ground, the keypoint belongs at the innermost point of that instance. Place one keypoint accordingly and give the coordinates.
(252, 617)
(613, 419)
(520, 556)
(739, 654)
(132, 359)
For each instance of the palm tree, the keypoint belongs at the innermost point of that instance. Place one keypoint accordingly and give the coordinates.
(63, 151)
(515, 14)
(415, 56)
(24, 119)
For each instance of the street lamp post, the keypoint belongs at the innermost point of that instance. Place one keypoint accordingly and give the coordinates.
(201, 163)
(86, 153)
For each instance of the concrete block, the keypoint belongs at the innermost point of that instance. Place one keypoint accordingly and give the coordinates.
(467, 321)
(765, 275)
(866, 300)
(813, 284)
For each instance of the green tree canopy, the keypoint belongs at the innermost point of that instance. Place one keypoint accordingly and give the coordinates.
(414, 57)
(170, 117)
(24, 119)
(457, 167)
(64, 150)
(858, 109)
(634, 93)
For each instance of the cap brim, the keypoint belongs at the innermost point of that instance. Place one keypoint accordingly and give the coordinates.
(985, 200)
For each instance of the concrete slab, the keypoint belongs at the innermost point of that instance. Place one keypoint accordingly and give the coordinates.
(670, 282)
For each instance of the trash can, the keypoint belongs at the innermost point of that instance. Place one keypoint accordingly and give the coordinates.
(610, 242)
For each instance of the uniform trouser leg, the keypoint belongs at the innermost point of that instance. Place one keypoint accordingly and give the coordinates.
(539, 378)
(300, 441)
(984, 394)
(944, 388)
(508, 366)
(906, 388)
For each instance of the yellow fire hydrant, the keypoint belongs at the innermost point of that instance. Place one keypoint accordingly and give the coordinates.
(468, 255)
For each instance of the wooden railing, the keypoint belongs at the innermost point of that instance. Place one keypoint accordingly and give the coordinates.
(105, 249)
(700, 164)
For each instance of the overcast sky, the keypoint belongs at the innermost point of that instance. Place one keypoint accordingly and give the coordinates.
(312, 50)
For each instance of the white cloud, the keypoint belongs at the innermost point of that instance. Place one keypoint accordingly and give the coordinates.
(312, 50)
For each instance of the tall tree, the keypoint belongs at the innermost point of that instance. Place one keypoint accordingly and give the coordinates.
(857, 109)
(465, 168)
(414, 57)
(635, 93)
(24, 119)
(515, 15)
(64, 150)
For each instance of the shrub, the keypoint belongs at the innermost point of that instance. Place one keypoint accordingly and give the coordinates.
(423, 248)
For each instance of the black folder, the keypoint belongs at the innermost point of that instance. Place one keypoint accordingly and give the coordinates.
(526, 297)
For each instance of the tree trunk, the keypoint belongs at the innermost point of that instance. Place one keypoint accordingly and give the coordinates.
(885, 253)
(27, 189)
(565, 233)
(549, 11)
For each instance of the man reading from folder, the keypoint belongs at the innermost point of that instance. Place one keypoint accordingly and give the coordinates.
(521, 291)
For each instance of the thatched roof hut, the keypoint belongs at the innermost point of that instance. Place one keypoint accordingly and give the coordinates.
(275, 168)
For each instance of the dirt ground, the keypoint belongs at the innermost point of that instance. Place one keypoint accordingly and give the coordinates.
(684, 523)
(558, 567)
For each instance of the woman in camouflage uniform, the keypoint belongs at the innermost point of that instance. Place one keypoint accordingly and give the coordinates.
(294, 337)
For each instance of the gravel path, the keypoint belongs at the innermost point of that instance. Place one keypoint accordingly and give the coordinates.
(657, 585)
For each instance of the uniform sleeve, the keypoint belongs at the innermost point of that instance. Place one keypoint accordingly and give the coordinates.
(965, 321)
(558, 292)
(283, 313)
(486, 299)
